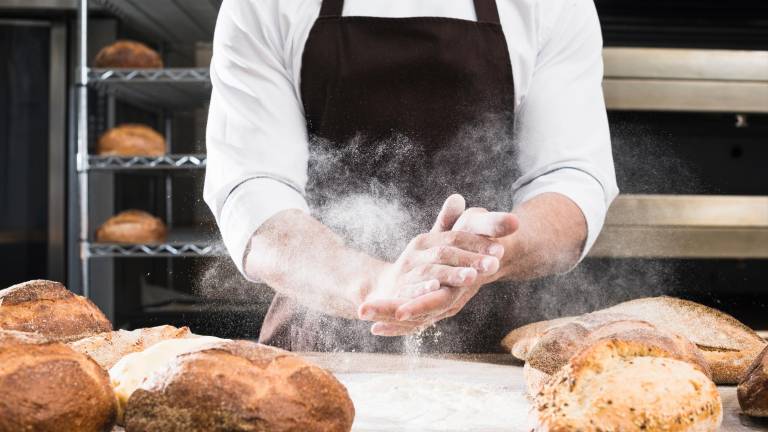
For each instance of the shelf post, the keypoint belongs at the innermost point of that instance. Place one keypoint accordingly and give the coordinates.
(82, 139)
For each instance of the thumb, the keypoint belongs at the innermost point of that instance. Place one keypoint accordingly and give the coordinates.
(452, 210)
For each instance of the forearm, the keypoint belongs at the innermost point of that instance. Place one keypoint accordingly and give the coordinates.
(550, 238)
(301, 258)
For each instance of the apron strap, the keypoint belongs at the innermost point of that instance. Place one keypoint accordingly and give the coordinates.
(332, 8)
(486, 11)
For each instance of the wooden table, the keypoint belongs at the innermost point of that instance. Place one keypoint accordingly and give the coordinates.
(486, 372)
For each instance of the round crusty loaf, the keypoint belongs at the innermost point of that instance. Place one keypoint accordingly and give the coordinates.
(132, 227)
(727, 345)
(557, 345)
(106, 349)
(240, 386)
(753, 388)
(128, 54)
(131, 140)
(628, 386)
(51, 310)
(49, 387)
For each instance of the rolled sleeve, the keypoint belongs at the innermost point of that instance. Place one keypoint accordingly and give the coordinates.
(249, 206)
(256, 135)
(578, 186)
(563, 135)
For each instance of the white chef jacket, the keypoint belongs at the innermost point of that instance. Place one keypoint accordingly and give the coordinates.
(257, 137)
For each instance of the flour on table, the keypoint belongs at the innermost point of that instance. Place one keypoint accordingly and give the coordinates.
(407, 402)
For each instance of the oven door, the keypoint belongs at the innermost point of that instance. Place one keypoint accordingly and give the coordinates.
(32, 149)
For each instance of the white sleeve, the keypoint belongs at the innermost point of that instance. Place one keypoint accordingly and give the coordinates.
(562, 125)
(256, 136)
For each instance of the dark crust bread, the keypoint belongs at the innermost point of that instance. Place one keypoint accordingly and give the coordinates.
(50, 310)
(131, 140)
(132, 227)
(48, 387)
(128, 54)
(240, 386)
(753, 388)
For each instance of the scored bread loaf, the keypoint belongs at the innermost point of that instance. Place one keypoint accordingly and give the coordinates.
(617, 385)
(727, 345)
(48, 387)
(132, 227)
(557, 345)
(128, 54)
(131, 140)
(235, 386)
(106, 349)
(753, 388)
(50, 310)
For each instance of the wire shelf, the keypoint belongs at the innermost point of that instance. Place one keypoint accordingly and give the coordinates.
(171, 88)
(130, 163)
(174, 21)
(109, 250)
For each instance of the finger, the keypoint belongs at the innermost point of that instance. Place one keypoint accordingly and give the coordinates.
(455, 257)
(432, 304)
(460, 239)
(389, 329)
(452, 209)
(445, 275)
(496, 224)
(380, 310)
(419, 289)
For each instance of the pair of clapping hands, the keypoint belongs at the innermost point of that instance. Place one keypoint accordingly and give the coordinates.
(439, 271)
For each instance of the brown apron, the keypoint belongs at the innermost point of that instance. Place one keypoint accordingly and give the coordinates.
(400, 103)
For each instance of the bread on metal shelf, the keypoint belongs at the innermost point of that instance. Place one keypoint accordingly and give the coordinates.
(132, 227)
(128, 54)
(131, 140)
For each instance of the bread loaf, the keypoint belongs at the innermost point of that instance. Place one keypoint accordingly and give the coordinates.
(628, 386)
(128, 54)
(132, 227)
(727, 345)
(50, 310)
(108, 348)
(131, 140)
(236, 386)
(559, 344)
(49, 387)
(753, 388)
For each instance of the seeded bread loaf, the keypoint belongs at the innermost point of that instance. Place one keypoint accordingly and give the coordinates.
(48, 387)
(50, 310)
(628, 386)
(128, 54)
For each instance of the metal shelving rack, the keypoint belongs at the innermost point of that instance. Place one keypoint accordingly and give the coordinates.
(158, 90)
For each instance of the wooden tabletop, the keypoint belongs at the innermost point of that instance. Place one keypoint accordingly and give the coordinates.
(490, 369)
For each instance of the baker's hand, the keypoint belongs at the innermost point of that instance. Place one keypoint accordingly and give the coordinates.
(432, 299)
(439, 258)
